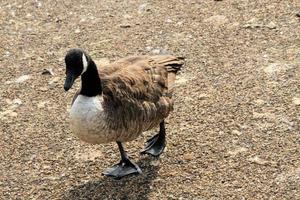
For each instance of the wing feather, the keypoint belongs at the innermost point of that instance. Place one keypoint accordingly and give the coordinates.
(137, 87)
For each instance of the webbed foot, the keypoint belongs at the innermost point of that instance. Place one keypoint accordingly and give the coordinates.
(155, 146)
(123, 168)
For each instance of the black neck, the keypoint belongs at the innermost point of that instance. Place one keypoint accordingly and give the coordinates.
(90, 81)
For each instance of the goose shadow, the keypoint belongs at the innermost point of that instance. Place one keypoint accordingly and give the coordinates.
(131, 187)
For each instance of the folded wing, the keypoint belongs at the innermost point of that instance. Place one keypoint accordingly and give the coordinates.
(140, 88)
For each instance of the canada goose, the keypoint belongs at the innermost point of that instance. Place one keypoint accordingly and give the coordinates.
(127, 97)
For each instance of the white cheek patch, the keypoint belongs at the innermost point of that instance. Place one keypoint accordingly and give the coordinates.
(85, 63)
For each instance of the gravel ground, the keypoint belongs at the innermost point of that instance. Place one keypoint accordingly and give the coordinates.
(234, 133)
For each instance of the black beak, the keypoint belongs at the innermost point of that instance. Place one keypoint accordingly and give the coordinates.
(69, 81)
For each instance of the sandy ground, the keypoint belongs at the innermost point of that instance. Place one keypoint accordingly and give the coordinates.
(234, 133)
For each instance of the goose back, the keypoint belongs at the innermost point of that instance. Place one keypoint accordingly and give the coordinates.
(138, 90)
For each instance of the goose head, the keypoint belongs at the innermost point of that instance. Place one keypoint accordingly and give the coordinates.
(77, 62)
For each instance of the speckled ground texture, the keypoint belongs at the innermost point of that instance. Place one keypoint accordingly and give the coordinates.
(234, 133)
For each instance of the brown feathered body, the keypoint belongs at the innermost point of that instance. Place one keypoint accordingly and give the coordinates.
(136, 97)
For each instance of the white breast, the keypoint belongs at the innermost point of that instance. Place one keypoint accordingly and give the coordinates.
(88, 120)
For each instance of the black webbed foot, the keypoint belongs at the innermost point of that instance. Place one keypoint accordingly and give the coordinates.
(123, 168)
(156, 145)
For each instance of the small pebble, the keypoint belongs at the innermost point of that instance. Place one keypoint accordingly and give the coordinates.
(296, 100)
(17, 101)
(237, 150)
(236, 132)
(217, 20)
(8, 101)
(22, 78)
(43, 89)
(47, 72)
(159, 51)
(125, 25)
(259, 102)
(271, 25)
(203, 96)
(155, 162)
(188, 156)
(142, 8)
(259, 161)
(54, 80)
(13, 114)
(42, 104)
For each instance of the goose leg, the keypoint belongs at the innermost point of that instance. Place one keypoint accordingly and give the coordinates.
(156, 145)
(124, 167)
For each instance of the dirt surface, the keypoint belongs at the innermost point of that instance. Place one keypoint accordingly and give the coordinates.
(234, 133)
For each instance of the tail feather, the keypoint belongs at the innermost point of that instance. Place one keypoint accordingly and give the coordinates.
(173, 65)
